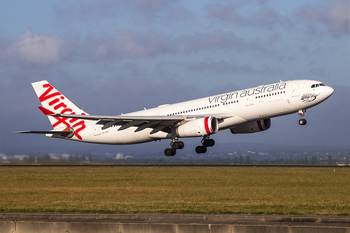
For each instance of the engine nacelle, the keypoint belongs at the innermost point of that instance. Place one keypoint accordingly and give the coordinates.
(198, 127)
(252, 127)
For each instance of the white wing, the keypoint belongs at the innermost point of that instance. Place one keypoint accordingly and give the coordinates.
(158, 123)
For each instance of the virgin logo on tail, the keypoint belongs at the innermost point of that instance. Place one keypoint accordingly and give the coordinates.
(57, 103)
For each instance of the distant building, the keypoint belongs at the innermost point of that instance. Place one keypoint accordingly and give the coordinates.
(119, 156)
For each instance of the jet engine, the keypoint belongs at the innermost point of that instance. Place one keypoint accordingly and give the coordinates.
(198, 127)
(252, 127)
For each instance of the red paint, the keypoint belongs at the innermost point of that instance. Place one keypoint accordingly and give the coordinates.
(66, 110)
(56, 104)
(260, 126)
(60, 105)
(60, 120)
(206, 125)
(46, 111)
(45, 95)
(54, 101)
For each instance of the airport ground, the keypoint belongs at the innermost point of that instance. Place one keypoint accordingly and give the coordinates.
(172, 189)
(174, 199)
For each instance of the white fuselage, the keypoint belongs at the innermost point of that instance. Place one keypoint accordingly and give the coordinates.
(240, 107)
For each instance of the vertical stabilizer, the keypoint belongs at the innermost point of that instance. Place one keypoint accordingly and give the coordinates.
(54, 102)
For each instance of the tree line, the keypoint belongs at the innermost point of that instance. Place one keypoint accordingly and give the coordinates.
(173, 160)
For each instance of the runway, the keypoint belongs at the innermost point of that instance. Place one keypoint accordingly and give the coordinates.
(169, 165)
(173, 223)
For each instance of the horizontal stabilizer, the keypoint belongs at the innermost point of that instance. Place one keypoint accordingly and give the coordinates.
(68, 132)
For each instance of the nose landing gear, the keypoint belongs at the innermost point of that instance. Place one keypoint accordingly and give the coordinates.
(206, 142)
(302, 113)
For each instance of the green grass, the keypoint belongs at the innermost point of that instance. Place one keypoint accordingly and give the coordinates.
(225, 190)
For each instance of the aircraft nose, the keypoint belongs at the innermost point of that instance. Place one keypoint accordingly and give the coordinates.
(329, 91)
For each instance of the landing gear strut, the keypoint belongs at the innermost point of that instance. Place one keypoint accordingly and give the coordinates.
(206, 142)
(302, 113)
(175, 144)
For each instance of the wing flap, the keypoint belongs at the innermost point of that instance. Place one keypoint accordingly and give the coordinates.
(150, 124)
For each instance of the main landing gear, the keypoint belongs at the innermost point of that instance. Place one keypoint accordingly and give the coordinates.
(206, 142)
(302, 113)
(175, 144)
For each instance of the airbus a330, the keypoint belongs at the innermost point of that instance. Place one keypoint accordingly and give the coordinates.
(244, 111)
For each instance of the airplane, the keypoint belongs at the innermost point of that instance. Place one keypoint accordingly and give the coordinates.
(244, 111)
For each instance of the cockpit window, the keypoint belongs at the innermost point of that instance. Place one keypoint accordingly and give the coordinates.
(317, 85)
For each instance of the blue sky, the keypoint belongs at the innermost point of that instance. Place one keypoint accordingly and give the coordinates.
(120, 56)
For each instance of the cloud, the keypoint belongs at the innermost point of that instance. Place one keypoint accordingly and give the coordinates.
(240, 3)
(33, 49)
(231, 13)
(136, 9)
(334, 15)
(319, 72)
(128, 44)
(46, 50)
(225, 67)
(151, 9)
(220, 40)
(129, 93)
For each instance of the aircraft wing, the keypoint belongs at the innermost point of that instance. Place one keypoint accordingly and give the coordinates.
(158, 123)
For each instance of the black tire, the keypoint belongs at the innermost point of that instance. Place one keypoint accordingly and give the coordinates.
(173, 152)
(175, 145)
(201, 149)
(181, 145)
(168, 151)
(208, 142)
(302, 122)
(211, 142)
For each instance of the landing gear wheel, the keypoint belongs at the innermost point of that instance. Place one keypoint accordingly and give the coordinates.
(167, 152)
(302, 122)
(175, 145)
(181, 145)
(170, 152)
(201, 149)
(208, 142)
(302, 113)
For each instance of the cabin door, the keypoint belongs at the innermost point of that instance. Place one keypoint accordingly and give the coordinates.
(295, 90)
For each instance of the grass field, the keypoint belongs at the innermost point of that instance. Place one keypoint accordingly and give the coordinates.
(225, 190)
